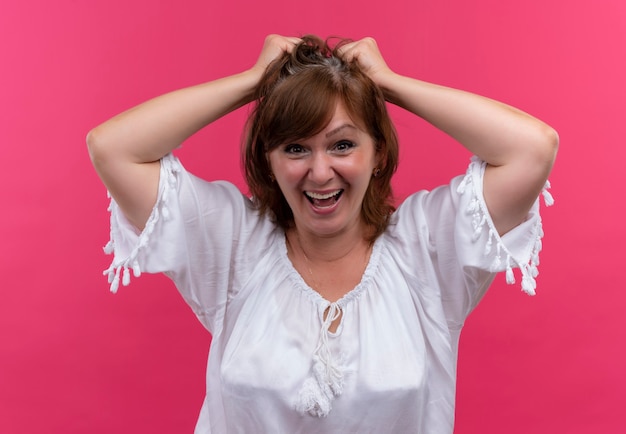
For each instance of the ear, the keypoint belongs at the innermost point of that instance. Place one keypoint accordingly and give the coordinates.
(268, 160)
(381, 157)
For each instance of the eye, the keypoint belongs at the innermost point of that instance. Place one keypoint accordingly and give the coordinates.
(343, 146)
(294, 149)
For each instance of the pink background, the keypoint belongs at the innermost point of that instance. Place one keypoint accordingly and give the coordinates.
(76, 359)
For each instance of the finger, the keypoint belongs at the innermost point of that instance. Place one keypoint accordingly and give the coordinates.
(353, 51)
(273, 47)
(292, 41)
(347, 51)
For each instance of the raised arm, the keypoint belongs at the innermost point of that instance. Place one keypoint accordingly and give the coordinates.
(126, 149)
(518, 148)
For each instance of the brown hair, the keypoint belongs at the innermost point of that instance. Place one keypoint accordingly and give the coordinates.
(295, 99)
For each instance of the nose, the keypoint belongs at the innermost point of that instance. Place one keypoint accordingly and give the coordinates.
(321, 168)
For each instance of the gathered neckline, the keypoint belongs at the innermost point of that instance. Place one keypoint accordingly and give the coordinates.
(315, 296)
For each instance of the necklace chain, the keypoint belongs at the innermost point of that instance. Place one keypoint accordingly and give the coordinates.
(308, 262)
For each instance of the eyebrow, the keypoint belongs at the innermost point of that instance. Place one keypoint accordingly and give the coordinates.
(339, 128)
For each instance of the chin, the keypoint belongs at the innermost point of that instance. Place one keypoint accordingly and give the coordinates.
(329, 228)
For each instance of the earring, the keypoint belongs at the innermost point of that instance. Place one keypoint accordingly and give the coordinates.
(272, 177)
(376, 172)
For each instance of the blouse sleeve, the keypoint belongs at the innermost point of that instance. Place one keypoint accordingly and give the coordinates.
(519, 248)
(195, 233)
(464, 246)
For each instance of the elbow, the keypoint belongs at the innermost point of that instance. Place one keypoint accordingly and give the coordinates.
(93, 142)
(546, 145)
(551, 142)
(96, 146)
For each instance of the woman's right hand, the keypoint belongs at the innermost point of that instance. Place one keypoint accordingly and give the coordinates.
(273, 48)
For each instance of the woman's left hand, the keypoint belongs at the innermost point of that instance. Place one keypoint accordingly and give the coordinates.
(367, 55)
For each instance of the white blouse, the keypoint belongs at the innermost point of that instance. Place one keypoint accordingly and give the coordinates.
(274, 366)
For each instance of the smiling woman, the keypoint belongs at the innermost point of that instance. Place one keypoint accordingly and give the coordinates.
(310, 93)
(324, 178)
(331, 311)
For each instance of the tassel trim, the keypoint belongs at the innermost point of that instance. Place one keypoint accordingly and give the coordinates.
(326, 380)
(481, 223)
(131, 262)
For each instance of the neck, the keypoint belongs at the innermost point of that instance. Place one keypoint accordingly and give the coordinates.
(331, 248)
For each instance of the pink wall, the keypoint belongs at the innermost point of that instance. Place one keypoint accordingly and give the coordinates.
(76, 359)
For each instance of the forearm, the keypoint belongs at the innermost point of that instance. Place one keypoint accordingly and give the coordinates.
(496, 132)
(149, 131)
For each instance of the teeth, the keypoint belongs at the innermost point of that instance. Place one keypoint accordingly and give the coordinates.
(322, 196)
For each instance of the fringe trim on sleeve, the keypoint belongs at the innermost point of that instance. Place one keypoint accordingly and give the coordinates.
(160, 211)
(481, 222)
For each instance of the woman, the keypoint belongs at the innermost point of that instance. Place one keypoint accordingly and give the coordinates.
(330, 312)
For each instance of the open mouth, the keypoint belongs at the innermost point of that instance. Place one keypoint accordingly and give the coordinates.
(323, 200)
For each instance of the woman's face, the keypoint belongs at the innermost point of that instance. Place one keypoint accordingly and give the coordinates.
(324, 177)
